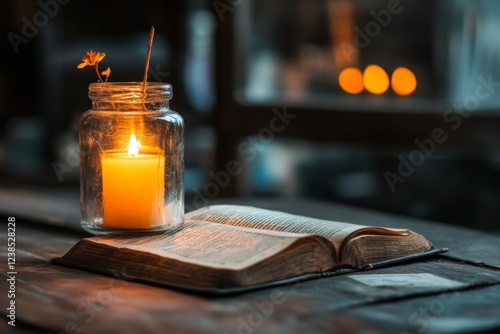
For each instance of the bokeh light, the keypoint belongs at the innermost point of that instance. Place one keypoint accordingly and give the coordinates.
(375, 79)
(351, 80)
(403, 81)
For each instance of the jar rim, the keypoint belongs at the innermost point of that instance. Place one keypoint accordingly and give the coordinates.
(131, 91)
(130, 84)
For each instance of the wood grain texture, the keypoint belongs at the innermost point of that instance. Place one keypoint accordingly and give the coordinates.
(471, 311)
(53, 207)
(57, 299)
(54, 297)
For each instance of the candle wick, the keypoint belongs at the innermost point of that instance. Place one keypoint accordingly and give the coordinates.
(148, 57)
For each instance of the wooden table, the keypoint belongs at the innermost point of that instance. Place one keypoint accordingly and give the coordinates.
(56, 299)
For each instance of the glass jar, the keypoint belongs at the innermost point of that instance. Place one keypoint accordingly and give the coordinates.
(131, 160)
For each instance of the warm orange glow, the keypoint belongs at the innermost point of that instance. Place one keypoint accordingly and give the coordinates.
(133, 188)
(133, 147)
(351, 80)
(375, 79)
(403, 81)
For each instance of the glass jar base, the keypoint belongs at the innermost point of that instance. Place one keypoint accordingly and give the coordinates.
(129, 232)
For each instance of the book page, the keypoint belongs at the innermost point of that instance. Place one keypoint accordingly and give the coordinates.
(208, 244)
(263, 219)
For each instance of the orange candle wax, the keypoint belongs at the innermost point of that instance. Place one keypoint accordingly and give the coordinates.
(133, 189)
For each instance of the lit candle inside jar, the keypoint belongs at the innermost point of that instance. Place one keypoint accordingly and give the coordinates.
(133, 188)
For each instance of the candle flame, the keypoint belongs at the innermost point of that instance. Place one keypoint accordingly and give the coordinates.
(133, 146)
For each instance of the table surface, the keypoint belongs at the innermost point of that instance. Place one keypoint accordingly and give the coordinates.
(57, 299)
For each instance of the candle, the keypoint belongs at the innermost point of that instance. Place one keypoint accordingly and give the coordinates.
(133, 188)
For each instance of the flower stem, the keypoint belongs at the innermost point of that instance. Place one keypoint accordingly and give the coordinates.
(96, 67)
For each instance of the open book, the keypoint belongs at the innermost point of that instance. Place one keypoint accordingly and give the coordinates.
(227, 248)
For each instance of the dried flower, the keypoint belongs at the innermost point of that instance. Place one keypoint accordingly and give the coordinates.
(92, 59)
(106, 73)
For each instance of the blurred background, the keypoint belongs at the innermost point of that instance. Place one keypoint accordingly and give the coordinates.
(390, 105)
